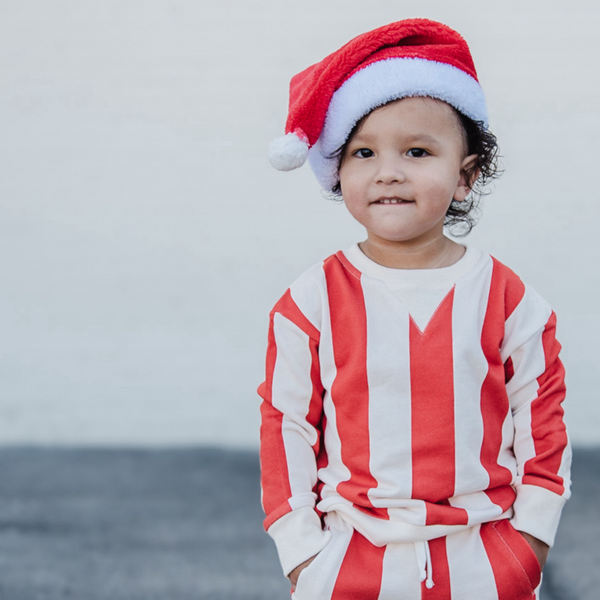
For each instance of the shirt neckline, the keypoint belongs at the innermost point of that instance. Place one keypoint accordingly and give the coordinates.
(439, 278)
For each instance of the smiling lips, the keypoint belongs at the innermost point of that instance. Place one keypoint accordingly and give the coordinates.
(392, 201)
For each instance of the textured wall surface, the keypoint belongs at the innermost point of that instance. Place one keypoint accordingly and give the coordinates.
(114, 524)
(144, 238)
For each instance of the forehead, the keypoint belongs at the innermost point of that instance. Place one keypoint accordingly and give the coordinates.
(425, 116)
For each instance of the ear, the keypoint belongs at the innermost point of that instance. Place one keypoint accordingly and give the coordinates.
(468, 176)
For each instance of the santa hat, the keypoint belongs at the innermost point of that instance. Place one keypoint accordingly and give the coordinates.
(414, 57)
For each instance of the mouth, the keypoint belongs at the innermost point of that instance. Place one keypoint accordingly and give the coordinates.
(392, 201)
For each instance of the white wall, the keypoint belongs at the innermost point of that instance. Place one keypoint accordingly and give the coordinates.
(144, 238)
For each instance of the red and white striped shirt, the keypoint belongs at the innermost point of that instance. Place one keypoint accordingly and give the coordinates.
(410, 434)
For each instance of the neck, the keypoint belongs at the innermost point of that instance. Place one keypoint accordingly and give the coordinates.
(431, 254)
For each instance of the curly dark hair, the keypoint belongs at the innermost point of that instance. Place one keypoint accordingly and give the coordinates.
(461, 217)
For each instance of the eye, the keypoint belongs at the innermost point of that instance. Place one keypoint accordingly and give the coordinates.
(417, 152)
(363, 153)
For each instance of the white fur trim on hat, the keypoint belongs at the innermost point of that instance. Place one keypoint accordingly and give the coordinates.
(382, 82)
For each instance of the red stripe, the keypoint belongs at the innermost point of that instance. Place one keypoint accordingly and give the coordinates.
(360, 575)
(274, 471)
(442, 513)
(506, 291)
(515, 568)
(275, 514)
(548, 429)
(441, 572)
(512, 289)
(380, 513)
(504, 496)
(348, 265)
(289, 309)
(315, 409)
(350, 389)
(432, 408)
(274, 468)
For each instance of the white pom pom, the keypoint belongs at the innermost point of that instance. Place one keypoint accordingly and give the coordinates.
(288, 152)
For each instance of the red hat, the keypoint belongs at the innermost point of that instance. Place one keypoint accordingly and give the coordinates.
(414, 57)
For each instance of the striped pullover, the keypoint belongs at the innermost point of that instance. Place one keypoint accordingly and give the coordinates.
(411, 423)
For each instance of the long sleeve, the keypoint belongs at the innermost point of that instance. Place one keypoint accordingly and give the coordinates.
(291, 435)
(536, 389)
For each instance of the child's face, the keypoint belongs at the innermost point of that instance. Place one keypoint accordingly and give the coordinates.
(402, 169)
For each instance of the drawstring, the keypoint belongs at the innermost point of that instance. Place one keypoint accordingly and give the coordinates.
(424, 562)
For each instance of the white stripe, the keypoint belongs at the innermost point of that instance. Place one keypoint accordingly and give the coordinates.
(470, 370)
(307, 292)
(411, 511)
(478, 506)
(526, 352)
(471, 574)
(523, 446)
(389, 393)
(318, 582)
(528, 319)
(400, 577)
(291, 395)
(523, 344)
(529, 363)
(506, 457)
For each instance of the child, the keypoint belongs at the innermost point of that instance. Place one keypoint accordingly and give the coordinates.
(412, 440)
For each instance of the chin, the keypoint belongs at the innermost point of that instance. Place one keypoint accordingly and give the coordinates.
(395, 237)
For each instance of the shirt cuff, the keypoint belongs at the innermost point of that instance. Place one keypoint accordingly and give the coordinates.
(537, 512)
(298, 536)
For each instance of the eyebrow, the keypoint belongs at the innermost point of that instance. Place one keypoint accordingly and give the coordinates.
(415, 137)
(425, 137)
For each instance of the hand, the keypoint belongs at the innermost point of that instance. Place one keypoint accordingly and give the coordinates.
(293, 576)
(540, 548)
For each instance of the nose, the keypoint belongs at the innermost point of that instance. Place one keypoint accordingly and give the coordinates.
(390, 170)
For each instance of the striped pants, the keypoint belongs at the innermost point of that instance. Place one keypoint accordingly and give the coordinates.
(485, 562)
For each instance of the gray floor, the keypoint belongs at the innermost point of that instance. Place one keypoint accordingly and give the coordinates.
(186, 524)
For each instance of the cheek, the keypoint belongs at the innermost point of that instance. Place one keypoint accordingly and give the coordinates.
(355, 205)
(352, 181)
(441, 185)
(344, 178)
